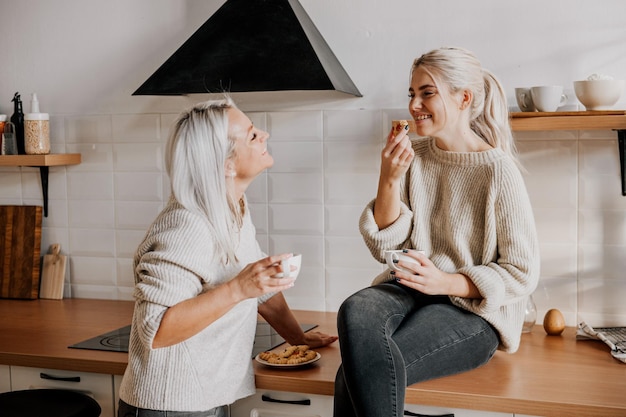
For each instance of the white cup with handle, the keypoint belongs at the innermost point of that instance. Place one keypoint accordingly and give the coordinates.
(286, 265)
(548, 98)
(392, 257)
(524, 99)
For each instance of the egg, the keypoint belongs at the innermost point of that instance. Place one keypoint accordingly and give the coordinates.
(554, 322)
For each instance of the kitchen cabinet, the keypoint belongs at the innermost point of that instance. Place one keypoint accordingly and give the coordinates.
(287, 404)
(5, 378)
(43, 162)
(99, 386)
(422, 410)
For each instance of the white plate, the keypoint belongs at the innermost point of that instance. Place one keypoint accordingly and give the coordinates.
(288, 365)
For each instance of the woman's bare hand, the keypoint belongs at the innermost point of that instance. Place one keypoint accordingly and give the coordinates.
(318, 339)
(426, 278)
(396, 156)
(257, 278)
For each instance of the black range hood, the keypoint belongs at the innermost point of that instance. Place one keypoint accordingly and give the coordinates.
(252, 45)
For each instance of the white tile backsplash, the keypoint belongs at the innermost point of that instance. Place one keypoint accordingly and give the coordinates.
(31, 184)
(126, 242)
(598, 158)
(601, 261)
(602, 296)
(556, 225)
(348, 252)
(91, 214)
(57, 213)
(299, 188)
(558, 261)
(125, 276)
(11, 186)
(350, 188)
(311, 248)
(342, 220)
(352, 157)
(136, 127)
(90, 185)
(259, 217)
(352, 125)
(602, 227)
(92, 243)
(138, 186)
(93, 157)
(88, 129)
(296, 156)
(325, 171)
(136, 215)
(294, 126)
(138, 156)
(296, 219)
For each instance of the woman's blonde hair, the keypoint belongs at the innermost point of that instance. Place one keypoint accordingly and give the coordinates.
(195, 156)
(460, 70)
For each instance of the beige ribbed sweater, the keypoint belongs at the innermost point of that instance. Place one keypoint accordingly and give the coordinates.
(470, 213)
(175, 262)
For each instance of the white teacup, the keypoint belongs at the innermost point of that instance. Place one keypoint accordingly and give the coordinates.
(286, 264)
(524, 99)
(548, 97)
(399, 256)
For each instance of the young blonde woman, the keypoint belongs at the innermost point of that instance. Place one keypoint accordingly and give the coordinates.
(201, 276)
(458, 195)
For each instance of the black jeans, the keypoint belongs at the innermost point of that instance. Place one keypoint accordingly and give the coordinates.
(125, 410)
(392, 336)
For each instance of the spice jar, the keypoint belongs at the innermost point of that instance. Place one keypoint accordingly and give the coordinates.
(3, 122)
(36, 130)
(36, 134)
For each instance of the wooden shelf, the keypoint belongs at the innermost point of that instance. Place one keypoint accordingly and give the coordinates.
(574, 120)
(571, 120)
(43, 162)
(40, 160)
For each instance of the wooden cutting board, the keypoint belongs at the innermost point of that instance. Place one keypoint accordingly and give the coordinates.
(20, 246)
(53, 273)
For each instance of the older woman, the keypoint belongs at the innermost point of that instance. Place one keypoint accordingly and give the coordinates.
(201, 276)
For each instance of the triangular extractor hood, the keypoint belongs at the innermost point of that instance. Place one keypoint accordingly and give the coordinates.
(252, 45)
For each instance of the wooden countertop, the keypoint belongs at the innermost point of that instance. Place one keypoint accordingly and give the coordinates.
(548, 376)
(37, 333)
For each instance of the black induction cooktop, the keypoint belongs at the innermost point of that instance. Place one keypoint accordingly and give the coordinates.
(115, 341)
(266, 338)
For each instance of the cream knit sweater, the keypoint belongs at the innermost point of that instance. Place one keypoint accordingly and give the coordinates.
(470, 213)
(175, 262)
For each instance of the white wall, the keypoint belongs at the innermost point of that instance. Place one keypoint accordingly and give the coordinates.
(84, 58)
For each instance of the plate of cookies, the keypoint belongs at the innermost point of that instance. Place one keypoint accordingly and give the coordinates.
(290, 357)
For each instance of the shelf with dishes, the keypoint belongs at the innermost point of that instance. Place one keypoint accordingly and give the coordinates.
(578, 120)
(572, 120)
(43, 162)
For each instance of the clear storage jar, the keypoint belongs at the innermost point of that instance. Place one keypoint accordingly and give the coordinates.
(36, 134)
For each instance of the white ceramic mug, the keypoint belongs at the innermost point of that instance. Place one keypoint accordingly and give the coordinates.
(398, 255)
(286, 264)
(548, 97)
(524, 99)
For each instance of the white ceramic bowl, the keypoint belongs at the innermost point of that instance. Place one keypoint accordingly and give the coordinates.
(599, 94)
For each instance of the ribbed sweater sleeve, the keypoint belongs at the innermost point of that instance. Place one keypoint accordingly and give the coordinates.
(470, 213)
